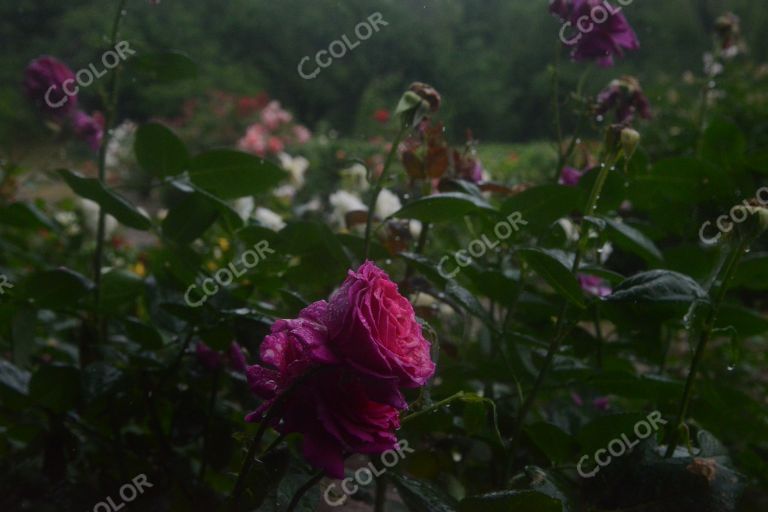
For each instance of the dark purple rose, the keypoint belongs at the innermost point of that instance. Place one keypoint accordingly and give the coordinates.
(570, 177)
(373, 329)
(208, 357)
(625, 98)
(44, 85)
(237, 358)
(90, 129)
(600, 31)
(328, 403)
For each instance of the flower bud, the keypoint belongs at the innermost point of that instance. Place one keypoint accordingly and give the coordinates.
(756, 221)
(419, 99)
(428, 94)
(630, 139)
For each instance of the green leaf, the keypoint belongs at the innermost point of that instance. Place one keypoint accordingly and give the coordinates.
(541, 206)
(164, 66)
(26, 216)
(557, 275)
(119, 288)
(230, 174)
(99, 380)
(190, 218)
(113, 203)
(55, 387)
(55, 289)
(630, 239)
(422, 496)
(658, 286)
(146, 335)
(443, 207)
(159, 151)
(723, 143)
(752, 272)
(13, 378)
(555, 443)
(23, 327)
(511, 501)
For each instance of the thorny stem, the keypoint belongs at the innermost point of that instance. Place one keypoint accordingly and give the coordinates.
(560, 333)
(109, 118)
(379, 186)
(726, 272)
(303, 490)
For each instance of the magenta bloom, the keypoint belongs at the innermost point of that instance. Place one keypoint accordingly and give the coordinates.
(570, 177)
(44, 80)
(213, 359)
(90, 129)
(625, 97)
(207, 356)
(602, 403)
(373, 328)
(328, 403)
(594, 285)
(599, 31)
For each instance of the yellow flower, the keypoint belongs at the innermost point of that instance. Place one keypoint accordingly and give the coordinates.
(139, 269)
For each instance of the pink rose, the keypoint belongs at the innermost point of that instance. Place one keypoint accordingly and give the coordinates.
(373, 329)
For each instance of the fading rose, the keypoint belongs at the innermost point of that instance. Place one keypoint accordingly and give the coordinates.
(44, 80)
(373, 328)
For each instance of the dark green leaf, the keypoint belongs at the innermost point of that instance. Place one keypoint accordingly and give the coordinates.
(421, 496)
(159, 151)
(557, 275)
(511, 501)
(55, 289)
(658, 286)
(55, 387)
(630, 239)
(113, 203)
(119, 288)
(230, 174)
(190, 218)
(541, 206)
(443, 207)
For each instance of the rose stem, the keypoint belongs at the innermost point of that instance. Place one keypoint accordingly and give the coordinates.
(724, 274)
(378, 187)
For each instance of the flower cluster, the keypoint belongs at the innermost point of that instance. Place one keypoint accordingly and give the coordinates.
(46, 75)
(273, 131)
(601, 39)
(625, 98)
(335, 373)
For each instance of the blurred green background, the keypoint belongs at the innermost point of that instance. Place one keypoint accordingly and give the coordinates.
(489, 58)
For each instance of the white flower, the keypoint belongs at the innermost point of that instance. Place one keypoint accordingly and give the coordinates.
(269, 219)
(605, 252)
(120, 147)
(297, 166)
(415, 228)
(570, 230)
(314, 205)
(244, 207)
(344, 202)
(386, 204)
(90, 211)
